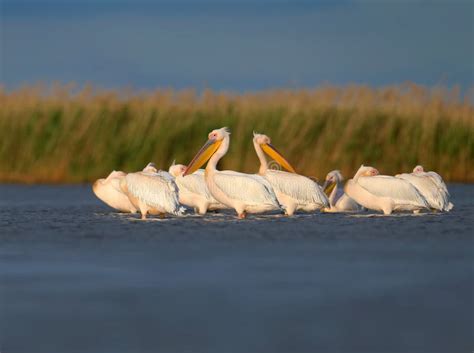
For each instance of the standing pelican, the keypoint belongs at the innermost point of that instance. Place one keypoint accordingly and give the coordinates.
(384, 193)
(294, 191)
(242, 192)
(431, 186)
(108, 190)
(338, 200)
(152, 192)
(193, 191)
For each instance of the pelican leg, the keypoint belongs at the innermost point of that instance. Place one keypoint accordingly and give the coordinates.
(290, 209)
(202, 208)
(240, 209)
(162, 215)
(242, 215)
(143, 209)
(387, 207)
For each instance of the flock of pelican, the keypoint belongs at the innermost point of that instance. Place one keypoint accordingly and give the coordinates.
(158, 192)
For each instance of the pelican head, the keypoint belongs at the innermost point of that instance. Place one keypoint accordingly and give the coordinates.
(332, 179)
(365, 171)
(261, 139)
(265, 144)
(369, 171)
(334, 176)
(150, 168)
(418, 169)
(219, 134)
(177, 170)
(213, 143)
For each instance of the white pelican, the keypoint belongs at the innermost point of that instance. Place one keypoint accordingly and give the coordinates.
(108, 190)
(431, 186)
(338, 200)
(243, 192)
(384, 193)
(193, 191)
(152, 192)
(293, 191)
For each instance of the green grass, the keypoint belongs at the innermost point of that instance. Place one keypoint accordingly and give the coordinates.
(55, 136)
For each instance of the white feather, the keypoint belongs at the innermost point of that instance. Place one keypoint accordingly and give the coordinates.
(256, 177)
(436, 197)
(251, 189)
(345, 203)
(298, 187)
(155, 190)
(164, 174)
(437, 180)
(194, 184)
(399, 190)
(108, 190)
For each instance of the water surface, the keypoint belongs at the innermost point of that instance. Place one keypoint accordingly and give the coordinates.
(78, 277)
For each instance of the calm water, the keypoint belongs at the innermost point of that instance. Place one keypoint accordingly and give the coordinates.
(77, 277)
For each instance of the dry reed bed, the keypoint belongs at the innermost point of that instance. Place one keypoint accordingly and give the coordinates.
(61, 134)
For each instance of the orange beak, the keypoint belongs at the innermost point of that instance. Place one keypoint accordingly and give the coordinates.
(206, 152)
(277, 156)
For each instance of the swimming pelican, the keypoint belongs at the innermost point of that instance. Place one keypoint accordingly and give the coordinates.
(242, 192)
(108, 190)
(152, 192)
(338, 200)
(193, 191)
(293, 191)
(431, 186)
(384, 193)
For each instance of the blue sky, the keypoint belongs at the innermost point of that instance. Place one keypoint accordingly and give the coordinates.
(236, 45)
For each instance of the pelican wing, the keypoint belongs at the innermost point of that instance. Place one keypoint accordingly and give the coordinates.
(436, 198)
(164, 174)
(109, 191)
(436, 178)
(193, 184)
(250, 189)
(345, 203)
(399, 190)
(257, 177)
(115, 184)
(114, 180)
(154, 190)
(297, 187)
